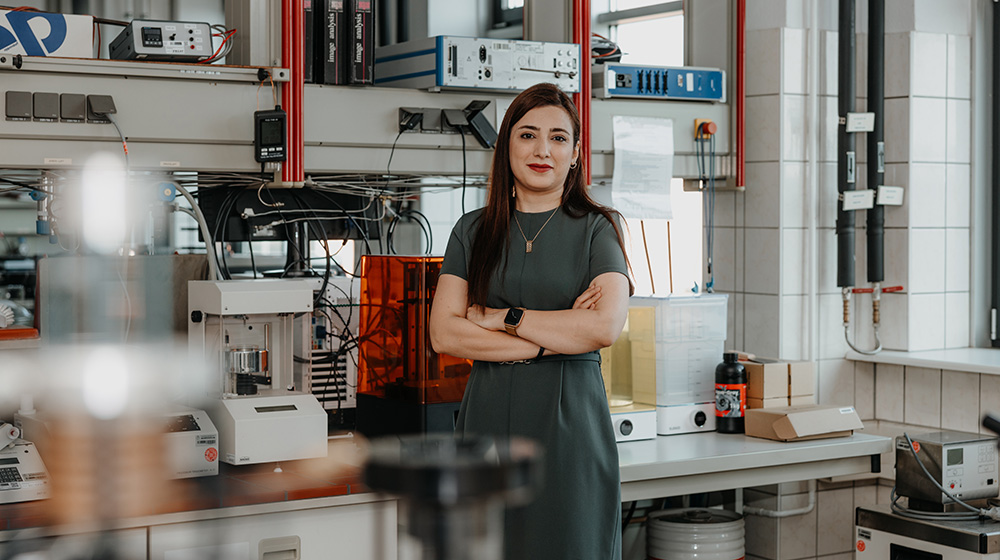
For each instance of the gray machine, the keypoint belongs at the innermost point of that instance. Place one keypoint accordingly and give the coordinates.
(448, 62)
(174, 41)
(883, 535)
(963, 463)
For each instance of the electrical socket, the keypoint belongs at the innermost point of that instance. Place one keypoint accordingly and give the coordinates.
(410, 119)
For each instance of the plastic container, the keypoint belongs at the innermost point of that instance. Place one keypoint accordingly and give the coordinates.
(730, 395)
(695, 534)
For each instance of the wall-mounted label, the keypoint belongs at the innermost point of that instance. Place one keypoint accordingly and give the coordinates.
(860, 122)
(170, 164)
(890, 196)
(58, 161)
(859, 200)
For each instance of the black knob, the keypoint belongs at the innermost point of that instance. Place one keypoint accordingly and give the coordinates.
(626, 427)
(700, 418)
(196, 316)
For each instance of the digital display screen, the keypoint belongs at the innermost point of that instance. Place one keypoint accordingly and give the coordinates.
(11, 461)
(183, 423)
(955, 456)
(278, 408)
(270, 133)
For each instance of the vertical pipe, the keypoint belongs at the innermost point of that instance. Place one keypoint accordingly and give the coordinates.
(741, 56)
(286, 88)
(876, 140)
(995, 180)
(292, 57)
(298, 85)
(581, 36)
(845, 143)
(813, 131)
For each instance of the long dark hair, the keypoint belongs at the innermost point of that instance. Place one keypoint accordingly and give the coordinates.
(492, 239)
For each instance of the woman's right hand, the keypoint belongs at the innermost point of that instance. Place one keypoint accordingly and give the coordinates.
(589, 298)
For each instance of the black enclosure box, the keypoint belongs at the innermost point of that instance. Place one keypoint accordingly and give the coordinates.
(229, 205)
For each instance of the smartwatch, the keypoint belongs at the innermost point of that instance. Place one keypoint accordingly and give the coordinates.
(513, 320)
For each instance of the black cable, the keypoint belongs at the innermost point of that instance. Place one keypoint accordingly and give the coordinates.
(462, 134)
(253, 263)
(18, 183)
(364, 234)
(385, 186)
(628, 517)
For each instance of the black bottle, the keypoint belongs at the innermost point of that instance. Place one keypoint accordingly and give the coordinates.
(730, 394)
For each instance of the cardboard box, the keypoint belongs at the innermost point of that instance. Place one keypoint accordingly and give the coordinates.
(776, 402)
(801, 379)
(766, 379)
(797, 423)
(801, 400)
(46, 34)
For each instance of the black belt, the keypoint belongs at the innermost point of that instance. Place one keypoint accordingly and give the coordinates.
(586, 357)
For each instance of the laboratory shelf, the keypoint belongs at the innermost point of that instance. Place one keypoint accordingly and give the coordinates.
(702, 462)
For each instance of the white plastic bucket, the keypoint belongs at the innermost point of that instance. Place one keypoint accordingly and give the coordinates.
(694, 534)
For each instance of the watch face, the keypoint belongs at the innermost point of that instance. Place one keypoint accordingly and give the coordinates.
(514, 315)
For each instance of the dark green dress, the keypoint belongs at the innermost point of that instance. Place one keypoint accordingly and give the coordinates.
(559, 400)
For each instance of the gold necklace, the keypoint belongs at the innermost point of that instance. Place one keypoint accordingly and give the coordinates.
(529, 242)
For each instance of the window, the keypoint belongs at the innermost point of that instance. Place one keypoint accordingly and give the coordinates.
(678, 264)
(647, 32)
(507, 12)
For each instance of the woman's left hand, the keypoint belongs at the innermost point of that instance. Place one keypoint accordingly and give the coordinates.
(487, 317)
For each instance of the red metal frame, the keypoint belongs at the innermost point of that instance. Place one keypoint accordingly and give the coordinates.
(741, 58)
(581, 36)
(292, 91)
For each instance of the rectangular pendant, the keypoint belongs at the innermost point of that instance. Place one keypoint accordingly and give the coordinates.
(527, 247)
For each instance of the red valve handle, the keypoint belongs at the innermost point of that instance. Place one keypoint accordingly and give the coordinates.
(892, 289)
(862, 290)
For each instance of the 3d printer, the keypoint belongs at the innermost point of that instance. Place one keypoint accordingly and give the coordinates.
(403, 385)
(244, 329)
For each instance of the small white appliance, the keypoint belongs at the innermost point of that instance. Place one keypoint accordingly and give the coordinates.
(23, 476)
(192, 443)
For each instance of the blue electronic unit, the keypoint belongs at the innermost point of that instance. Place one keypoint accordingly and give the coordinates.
(658, 82)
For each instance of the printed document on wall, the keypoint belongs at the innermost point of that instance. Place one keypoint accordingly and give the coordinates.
(644, 165)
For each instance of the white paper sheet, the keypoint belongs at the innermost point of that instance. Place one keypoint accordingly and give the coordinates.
(644, 165)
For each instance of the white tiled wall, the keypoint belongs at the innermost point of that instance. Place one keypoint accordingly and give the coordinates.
(927, 131)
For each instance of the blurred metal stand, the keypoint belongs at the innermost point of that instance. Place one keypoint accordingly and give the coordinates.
(454, 490)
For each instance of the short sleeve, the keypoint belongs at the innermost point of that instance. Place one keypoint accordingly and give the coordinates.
(456, 254)
(605, 252)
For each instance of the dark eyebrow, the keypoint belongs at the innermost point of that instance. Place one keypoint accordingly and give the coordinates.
(535, 128)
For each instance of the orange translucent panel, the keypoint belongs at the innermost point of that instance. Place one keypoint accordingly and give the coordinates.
(395, 357)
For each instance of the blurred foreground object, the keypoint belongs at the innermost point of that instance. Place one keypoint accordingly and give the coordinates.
(453, 490)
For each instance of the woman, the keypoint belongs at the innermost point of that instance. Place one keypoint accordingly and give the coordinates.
(531, 287)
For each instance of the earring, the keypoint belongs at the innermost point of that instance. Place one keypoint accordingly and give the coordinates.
(573, 166)
(513, 192)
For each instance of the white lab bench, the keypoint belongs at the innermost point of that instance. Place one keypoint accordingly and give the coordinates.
(702, 462)
(365, 523)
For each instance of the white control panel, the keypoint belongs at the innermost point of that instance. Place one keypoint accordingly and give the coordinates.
(23, 476)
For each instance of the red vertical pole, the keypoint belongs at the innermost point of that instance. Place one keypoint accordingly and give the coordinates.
(292, 57)
(741, 61)
(581, 36)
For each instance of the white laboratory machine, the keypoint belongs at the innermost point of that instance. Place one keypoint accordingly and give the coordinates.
(244, 330)
(684, 347)
(23, 476)
(192, 443)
